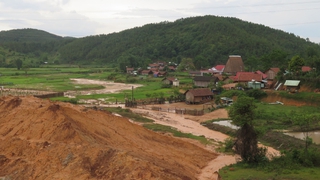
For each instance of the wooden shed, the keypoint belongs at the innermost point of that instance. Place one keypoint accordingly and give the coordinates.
(199, 95)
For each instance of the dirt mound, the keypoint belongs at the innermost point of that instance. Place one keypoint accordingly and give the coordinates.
(40, 139)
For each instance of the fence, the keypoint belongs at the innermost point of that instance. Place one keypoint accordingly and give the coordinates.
(23, 92)
(193, 112)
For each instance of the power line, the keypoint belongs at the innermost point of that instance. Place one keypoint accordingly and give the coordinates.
(254, 5)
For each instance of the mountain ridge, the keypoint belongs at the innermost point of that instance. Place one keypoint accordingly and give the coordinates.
(207, 40)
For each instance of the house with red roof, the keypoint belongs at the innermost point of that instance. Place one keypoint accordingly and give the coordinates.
(306, 68)
(251, 79)
(146, 72)
(264, 76)
(244, 77)
(219, 67)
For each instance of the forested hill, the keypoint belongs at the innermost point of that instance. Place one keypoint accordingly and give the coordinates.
(207, 40)
(27, 35)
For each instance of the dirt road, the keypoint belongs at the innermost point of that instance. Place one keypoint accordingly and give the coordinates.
(184, 124)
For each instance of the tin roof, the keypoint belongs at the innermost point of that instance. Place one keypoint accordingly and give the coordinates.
(292, 83)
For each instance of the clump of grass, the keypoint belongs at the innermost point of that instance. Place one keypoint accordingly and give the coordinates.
(129, 114)
(176, 133)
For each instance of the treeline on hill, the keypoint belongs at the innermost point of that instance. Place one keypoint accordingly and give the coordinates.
(207, 40)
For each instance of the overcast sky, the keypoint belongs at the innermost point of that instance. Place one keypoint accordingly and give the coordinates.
(79, 18)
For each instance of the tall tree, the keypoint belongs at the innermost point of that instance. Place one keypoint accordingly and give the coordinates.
(186, 64)
(19, 63)
(242, 113)
(295, 64)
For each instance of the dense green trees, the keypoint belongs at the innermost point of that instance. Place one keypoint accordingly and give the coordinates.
(18, 63)
(295, 64)
(207, 40)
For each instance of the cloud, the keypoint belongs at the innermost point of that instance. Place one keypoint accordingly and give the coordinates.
(45, 15)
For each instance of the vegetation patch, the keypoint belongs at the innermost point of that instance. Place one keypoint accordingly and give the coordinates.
(128, 114)
(168, 129)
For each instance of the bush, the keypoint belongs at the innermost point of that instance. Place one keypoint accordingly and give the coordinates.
(166, 86)
(256, 93)
(228, 144)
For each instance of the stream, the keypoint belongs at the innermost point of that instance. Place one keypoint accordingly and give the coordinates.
(315, 135)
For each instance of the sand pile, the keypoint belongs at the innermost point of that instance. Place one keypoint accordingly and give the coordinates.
(40, 139)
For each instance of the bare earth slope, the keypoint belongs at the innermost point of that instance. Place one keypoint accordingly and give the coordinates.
(40, 139)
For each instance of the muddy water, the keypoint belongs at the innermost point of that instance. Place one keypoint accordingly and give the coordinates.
(315, 135)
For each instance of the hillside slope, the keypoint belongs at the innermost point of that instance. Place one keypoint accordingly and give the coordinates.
(207, 40)
(40, 139)
(27, 35)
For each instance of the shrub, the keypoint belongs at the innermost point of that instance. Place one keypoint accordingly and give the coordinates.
(228, 144)
(256, 93)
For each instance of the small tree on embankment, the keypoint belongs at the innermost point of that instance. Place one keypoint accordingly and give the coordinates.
(242, 113)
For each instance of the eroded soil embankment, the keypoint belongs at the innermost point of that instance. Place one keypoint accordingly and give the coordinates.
(273, 97)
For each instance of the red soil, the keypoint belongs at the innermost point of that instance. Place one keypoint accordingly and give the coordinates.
(40, 139)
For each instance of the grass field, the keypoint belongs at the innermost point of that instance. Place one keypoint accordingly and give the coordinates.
(57, 78)
(243, 172)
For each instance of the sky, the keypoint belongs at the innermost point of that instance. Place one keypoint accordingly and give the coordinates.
(80, 18)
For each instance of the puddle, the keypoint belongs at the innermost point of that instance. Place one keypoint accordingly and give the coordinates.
(315, 135)
(226, 123)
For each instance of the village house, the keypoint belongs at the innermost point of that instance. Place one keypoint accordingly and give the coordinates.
(172, 68)
(292, 85)
(218, 69)
(159, 73)
(306, 69)
(146, 72)
(234, 65)
(154, 66)
(171, 81)
(205, 81)
(199, 95)
(244, 77)
(250, 79)
(271, 75)
(129, 70)
(195, 73)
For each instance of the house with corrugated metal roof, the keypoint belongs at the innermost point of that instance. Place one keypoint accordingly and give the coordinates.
(199, 95)
(292, 85)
